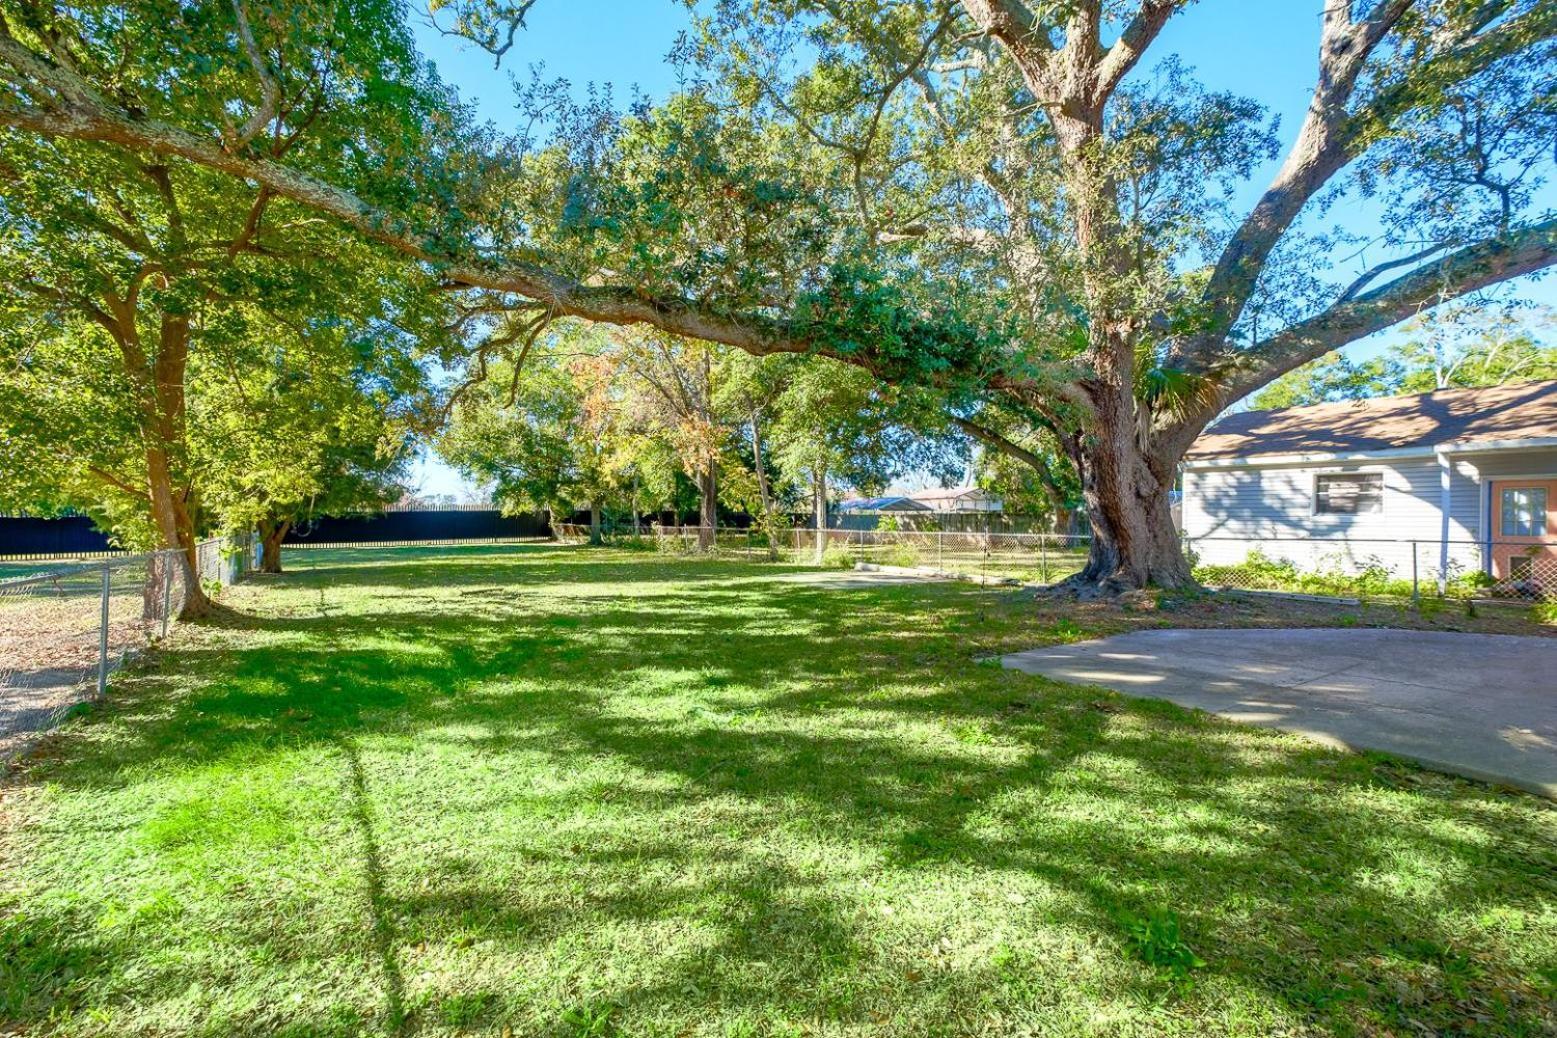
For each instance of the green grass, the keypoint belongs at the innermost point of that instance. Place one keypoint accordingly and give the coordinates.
(565, 791)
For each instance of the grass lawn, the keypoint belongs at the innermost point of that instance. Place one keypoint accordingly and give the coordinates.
(569, 791)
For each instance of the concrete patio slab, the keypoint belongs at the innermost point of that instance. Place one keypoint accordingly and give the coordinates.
(1479, 705)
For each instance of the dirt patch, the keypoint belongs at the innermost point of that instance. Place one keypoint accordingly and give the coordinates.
(49, 656)
(34, 702)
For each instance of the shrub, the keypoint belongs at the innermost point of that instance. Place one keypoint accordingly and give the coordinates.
(1261, 572)
(837, 557)
(675, 544)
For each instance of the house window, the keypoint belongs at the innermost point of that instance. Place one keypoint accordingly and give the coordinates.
(1355, 493)
(1524, 512)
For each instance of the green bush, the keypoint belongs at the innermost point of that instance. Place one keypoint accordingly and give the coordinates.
(675, 545)
(1260, 572)
(838, 557)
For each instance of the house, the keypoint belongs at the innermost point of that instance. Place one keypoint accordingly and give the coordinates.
(889, 503)
(865, 513)
(959, 499)
(1449, 482)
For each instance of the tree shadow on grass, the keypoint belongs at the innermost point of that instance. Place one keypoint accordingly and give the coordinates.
(689, 753)
(360, 808)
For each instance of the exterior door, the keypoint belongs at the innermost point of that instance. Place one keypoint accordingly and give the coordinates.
(1524, 532)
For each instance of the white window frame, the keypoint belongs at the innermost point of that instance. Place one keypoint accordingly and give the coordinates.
(1313, 493)
(1540, 516)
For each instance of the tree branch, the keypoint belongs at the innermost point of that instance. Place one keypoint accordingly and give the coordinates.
(1372, 274)
(1003, 444)
(1322, 149)
(118, 483)
(1332, 135)
(1037, 462)
(1018, 29)
(1132, 43)
(1467, 270)
(565, 296)
(270, 93)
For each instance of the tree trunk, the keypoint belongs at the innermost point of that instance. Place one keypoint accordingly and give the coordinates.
(1134, 542)
(175, 531)
(157, 578)
(708, 519)
(763, 491)
(159, 386)
(271, 536)
(594, 522)
(819, 510)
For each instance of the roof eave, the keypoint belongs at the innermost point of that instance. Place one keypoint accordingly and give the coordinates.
(1382, 454)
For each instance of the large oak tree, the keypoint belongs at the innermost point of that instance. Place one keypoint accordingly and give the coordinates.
(998, 198)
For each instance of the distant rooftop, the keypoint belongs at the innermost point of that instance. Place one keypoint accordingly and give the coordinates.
(894, 503)
(1517, 411)
(946, 494)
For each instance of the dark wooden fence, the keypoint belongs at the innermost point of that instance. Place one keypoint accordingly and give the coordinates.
(29, 536)
(459, 524)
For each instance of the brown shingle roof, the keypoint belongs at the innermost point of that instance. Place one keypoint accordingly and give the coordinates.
(1517, 411)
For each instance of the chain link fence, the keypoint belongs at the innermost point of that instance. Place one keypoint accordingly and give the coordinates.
(63, 631)
(1496, 571)
(1024, 557)
(1492, 571)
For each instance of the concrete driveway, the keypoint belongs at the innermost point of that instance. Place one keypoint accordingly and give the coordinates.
(1481, 705)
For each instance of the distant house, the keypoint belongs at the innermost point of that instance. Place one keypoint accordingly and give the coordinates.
(1450, 481)
(959, 499)
(888, 503)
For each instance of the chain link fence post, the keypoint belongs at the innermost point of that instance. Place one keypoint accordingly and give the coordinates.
(102, 633)
(167, 590)
(1416, 588)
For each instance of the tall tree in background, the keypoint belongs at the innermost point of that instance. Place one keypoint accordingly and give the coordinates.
(1467, 346)
(1331, 379)
(116, 265)
(126, 268)
(834, 425)
(311, 417)
(546, 434)
(999, 198)
(675, 383)
(751, 392)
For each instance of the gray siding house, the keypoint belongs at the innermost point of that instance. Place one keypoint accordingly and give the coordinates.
(1448, 482)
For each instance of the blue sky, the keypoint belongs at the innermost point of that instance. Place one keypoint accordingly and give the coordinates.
(1265, 49)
